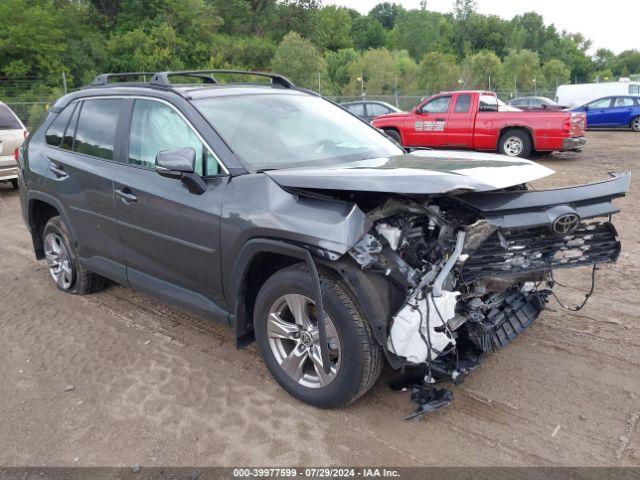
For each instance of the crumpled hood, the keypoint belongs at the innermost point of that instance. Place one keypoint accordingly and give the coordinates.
(424, 172)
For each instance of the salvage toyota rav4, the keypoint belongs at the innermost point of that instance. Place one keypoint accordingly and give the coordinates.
(304, 228)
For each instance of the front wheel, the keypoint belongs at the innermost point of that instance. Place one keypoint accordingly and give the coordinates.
(286, 330)
(635, 124)
(515, 143)
(394, 135)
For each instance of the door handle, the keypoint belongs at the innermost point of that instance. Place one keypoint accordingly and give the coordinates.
(441, 119)
(126, 196)
(58, 171)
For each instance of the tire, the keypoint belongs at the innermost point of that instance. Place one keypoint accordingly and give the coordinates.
(635, 124)
(394, 135)
(71, 276)
(356, 357)
(14, 183)
(515, 143)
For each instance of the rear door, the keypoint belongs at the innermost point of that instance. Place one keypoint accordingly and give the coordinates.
(80, 176)
(458, 127)
(375, 110)
(171, 237)
(429, 123)
(622, 111)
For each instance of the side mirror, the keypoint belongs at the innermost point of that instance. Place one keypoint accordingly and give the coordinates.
(586, 107)
(180, 164)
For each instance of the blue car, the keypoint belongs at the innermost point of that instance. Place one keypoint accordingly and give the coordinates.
(619, 111)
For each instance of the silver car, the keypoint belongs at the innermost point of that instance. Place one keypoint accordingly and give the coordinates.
(12, 134)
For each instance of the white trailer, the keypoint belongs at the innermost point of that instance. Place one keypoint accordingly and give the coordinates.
(576, 95)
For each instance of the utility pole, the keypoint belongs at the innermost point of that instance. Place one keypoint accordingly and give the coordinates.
(362, 94)
(319, 87)
(64, 82)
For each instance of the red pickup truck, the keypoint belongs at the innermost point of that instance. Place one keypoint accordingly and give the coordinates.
(473, 120)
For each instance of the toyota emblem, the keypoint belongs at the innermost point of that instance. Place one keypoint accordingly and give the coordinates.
(565, 224)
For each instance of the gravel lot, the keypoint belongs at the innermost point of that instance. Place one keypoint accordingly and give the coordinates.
(117, 378)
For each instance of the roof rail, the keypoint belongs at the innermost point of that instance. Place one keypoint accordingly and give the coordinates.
(163, 78)
(103, 79)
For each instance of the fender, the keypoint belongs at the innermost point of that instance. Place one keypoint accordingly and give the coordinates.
(55, 203)
(241, 323)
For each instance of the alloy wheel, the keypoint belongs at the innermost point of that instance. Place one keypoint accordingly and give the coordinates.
(513, 146)
(292, 330)
(58, 261)
(636, 124)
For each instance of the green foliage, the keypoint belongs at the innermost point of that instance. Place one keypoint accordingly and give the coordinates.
(555, 73)
(483, 70)
(333, 30)
(521, 70)
(313, 44)
(438, 71)
(298, 59)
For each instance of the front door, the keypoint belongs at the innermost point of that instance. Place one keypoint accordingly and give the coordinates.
(600, 113)
(622, 108)
(458, 128)
(171, 237)
(428, 124)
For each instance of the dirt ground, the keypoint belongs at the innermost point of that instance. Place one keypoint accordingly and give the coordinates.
(117, 378)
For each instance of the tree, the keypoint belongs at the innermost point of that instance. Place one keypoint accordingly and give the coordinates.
(377, 69)
(368, 33)
(298, 59)
(418, 32)
(463, 9)
(437, 72)
(521, 70)
(339, 67)
(555, 73)
(386, 13)
(333, 30)
(483, 70)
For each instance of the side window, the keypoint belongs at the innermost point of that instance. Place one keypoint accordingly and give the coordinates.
(602, 103)
(437, 105)
(356, 109)
(623, 102)
(8, 120)
(156, 127)
(462, 104)
(488, 103)
(375, 109)
(96, 130)
(56, 129)
(67, 138)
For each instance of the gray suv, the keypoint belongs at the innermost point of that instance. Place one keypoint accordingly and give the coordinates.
(277, 212)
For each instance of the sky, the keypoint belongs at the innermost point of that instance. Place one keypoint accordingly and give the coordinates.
(611, 24)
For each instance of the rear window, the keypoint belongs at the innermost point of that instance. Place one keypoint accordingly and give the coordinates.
(96, 130)
(56, 130)
(8, 121)
(462, 104)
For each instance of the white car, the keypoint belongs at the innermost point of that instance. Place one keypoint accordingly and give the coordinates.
(12, 134)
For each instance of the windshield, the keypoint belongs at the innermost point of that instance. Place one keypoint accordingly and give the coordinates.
(284, 130)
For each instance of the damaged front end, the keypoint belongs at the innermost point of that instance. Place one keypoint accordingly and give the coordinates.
(476, 269)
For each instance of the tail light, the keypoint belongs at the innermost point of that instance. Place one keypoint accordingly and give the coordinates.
(16, 154)
(575, 124)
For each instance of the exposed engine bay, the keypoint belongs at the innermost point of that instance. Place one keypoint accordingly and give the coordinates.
(472, 285)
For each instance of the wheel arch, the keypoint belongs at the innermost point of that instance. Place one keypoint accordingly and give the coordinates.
(41, 208)
(522, 128)
(258, 259)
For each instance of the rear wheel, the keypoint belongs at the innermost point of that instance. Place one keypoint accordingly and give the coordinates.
(14, 183)
(515, 143)
(286, 330)
(67, 273)
(635, 124)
